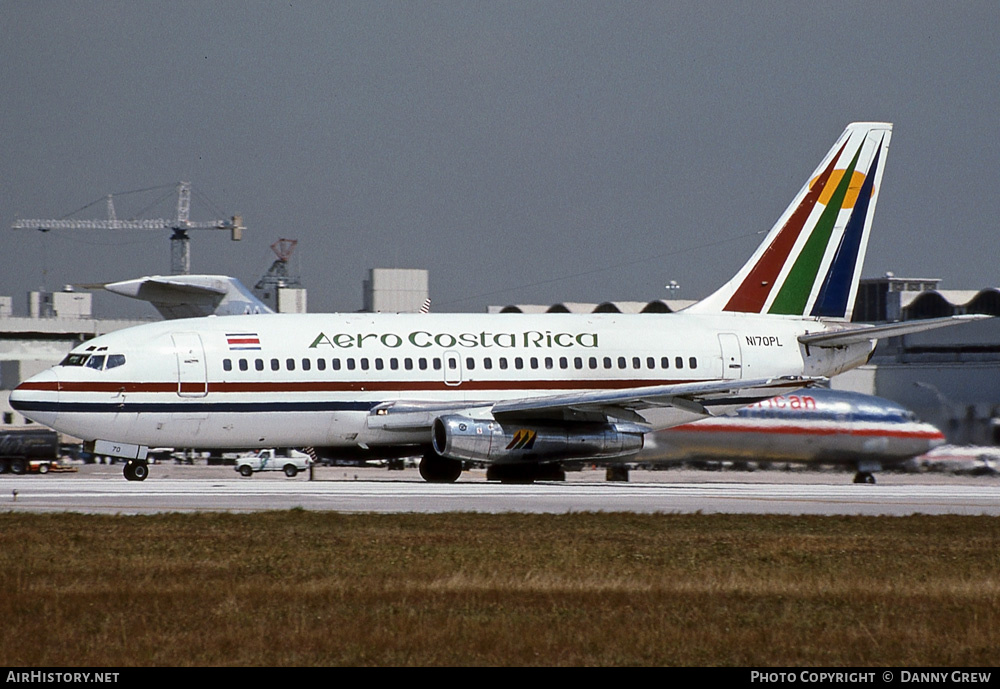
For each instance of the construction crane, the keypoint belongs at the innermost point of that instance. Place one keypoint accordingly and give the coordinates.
(180, 242)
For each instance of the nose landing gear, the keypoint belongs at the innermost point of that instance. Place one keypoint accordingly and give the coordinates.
(135, 470)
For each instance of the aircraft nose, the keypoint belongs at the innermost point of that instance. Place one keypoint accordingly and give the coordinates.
(935, 437)
(37, 397)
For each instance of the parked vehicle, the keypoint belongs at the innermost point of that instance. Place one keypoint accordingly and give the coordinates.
(269, 460)
(23, 450)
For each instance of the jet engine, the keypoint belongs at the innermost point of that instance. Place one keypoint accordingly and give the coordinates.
(487, 440)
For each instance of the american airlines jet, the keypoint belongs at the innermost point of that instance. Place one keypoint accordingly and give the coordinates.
(516, 392)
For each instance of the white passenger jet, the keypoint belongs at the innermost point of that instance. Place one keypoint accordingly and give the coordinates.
(516, 392)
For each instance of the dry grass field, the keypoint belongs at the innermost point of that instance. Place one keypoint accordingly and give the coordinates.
(310, 588)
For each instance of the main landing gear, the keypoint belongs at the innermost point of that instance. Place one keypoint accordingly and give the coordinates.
(135, 470)
(437, 469)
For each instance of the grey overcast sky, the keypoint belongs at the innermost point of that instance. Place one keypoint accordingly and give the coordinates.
(523, 152)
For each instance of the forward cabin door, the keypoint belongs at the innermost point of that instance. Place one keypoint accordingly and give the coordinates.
(732, 358)
(192, 373)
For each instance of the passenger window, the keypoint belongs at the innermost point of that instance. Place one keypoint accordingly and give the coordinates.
(394, 364)
(518, 363)
(592, 362)
(436, 362)
(665, 362)
(470, 363)
(335, 364)
(650, 362)
(258, 364)
(693, 362)
(364, 363)
(96, 362)
(622, 363)
(534, 362)
(487, 363)
(227, 365)
(408, 364)
(275, 365)
(244, 366)
(577, 362)
(350, 364)
(548, 362)
(114, 361)
(563, 362)
(306, 364)
(607, 362)
(422, 363)
(503, 363)
(290, 364)
(321, 364)
(636, 362)
(679, 362)
(379, 364)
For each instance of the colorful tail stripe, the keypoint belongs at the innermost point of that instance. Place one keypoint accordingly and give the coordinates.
(836, 290)
(810, 262)
(756, 287)
(797, 286)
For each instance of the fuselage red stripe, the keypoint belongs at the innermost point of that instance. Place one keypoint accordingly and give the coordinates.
(348, 386)
(812, 429)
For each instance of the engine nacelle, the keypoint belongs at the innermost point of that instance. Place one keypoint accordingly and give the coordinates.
(461, 437)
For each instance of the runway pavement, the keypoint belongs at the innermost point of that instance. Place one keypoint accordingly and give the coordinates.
(180, 488)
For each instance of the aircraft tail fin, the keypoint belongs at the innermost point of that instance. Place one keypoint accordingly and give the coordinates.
(810, 262)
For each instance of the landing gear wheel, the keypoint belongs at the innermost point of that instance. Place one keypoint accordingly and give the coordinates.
(864, 477)
(437, 469)
(135, 471)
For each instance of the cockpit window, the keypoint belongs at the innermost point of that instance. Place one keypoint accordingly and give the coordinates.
(114, 361)
(96, 362)
(75, 360)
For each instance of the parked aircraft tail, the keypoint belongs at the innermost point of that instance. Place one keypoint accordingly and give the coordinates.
(810, 262)
(191, 296)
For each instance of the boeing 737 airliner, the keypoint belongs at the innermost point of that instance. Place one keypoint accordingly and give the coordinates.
(508, 390)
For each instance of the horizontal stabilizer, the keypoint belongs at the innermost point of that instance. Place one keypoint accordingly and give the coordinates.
(848, 336)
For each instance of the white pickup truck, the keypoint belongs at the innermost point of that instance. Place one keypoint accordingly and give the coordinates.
(268, 460)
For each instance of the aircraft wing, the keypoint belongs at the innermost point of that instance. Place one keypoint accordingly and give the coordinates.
(866, 333)
(654, 407)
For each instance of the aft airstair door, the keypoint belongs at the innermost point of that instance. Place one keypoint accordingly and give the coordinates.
(732, 358)
(192, 374)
